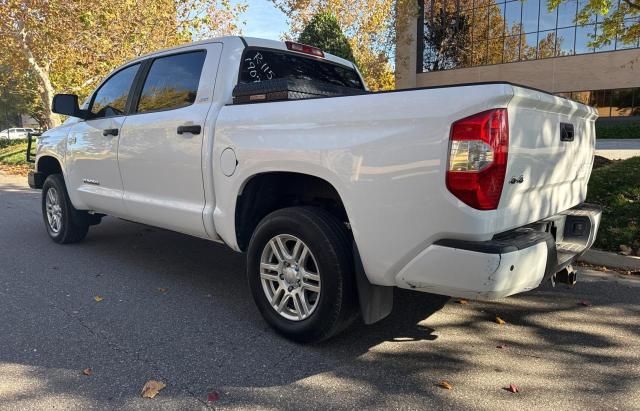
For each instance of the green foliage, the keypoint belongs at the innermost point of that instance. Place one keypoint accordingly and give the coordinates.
(616, 187)
(621, 129)
(323, 31)
(13, 152)
(615, 20)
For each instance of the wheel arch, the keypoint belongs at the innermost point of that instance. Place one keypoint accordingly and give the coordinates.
(47, 165)
(265, 192)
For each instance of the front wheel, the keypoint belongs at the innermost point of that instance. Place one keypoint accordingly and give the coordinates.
(300, 271)
(64, 223)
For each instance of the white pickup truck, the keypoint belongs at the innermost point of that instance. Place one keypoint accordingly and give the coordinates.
(473, 190)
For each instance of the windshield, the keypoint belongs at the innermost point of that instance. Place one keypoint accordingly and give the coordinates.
(266, 64)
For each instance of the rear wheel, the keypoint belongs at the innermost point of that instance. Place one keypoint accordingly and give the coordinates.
(64, 223)
(300, 272)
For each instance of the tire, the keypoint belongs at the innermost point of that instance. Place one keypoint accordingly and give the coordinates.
(318, 285)
(64, 223)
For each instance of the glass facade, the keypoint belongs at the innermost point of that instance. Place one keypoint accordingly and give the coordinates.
(610, 103)
(467, 33)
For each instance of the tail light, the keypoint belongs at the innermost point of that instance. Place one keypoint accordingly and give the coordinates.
(478, 151)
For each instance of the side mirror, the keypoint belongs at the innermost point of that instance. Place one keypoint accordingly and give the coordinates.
(67, 104)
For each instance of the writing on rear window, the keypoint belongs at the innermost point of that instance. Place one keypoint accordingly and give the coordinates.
(263, 64)
(258, 68)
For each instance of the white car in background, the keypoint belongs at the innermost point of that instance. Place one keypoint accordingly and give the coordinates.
(15, 133)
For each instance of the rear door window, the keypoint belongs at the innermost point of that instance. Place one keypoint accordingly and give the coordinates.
(266, 64)
(172, 82)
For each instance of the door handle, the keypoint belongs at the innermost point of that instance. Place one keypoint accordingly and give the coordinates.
(110, 132)
(566, 132)
(189, 129)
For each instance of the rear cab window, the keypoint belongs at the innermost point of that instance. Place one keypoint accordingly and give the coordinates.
(172, 82)
(260, 64)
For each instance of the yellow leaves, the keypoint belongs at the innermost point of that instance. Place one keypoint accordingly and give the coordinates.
(500, 321)
(445, 385)
(152, 388)
(98, 298)
(462, 301)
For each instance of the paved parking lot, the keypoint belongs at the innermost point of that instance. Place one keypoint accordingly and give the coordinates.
(177, 309)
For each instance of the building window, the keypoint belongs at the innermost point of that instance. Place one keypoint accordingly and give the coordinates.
(467, 33)
(622, 102)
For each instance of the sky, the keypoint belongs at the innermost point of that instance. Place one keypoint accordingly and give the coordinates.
(263, 20)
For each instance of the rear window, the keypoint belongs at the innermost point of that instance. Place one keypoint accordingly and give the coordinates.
(262, 64)
(172, 82)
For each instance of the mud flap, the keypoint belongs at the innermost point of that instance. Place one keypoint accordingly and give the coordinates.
(376, 301)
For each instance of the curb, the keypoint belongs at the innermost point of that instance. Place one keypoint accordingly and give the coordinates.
(597, 257)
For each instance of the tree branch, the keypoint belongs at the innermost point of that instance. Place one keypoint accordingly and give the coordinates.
(42, 73)
(85, 84)
(632, 4)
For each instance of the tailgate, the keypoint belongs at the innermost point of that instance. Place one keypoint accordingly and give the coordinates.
(551, 148)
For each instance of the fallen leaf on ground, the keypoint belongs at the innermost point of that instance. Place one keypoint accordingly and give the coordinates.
(500, 320)
(445, 384)
(163, 290)
(502, 346)
(462, 301)
(87, 371)
(213, 396)
(18, 169)
(98, 298)
(512, 388)
(585, 303)
(152, 388)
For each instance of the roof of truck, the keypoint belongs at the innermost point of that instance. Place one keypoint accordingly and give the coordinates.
(248, 42)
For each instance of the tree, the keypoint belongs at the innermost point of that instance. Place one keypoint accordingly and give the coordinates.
(323, 31)
(70, 46)
(367, 24)
(456, 36)
(618, 23)
(17, 98)
(446, 38)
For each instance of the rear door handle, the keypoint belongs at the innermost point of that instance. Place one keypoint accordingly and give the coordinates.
(110, 132)
(189, 129)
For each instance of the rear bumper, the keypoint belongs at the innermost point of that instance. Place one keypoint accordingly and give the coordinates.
(510, 263)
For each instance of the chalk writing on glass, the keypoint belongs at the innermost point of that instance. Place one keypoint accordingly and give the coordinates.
(258, 68)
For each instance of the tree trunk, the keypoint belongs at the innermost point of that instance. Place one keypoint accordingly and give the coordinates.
(45, 88)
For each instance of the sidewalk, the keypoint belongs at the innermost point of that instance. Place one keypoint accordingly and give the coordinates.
(618, 149)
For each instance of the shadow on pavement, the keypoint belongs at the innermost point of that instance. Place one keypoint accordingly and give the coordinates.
(179, 309)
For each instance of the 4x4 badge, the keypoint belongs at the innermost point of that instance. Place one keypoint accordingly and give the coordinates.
(518, 180)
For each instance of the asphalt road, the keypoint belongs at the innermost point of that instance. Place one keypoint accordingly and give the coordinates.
(178, 309)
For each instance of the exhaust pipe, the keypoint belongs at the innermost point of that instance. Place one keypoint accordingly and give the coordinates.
(567, 275)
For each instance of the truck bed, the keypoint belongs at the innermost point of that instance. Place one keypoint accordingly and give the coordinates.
(386, 155)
